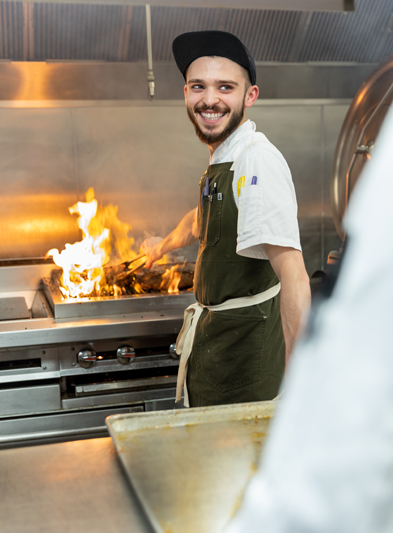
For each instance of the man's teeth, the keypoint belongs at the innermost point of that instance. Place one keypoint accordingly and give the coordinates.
(212, 116)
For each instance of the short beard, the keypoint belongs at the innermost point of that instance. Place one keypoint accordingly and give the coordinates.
(212, 138)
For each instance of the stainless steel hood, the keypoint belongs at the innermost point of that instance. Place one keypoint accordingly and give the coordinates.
(116, 32)
(293, 5)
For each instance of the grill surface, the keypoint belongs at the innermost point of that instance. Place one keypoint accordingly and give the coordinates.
(90, 307)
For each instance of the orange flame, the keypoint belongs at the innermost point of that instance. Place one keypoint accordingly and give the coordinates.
(171, 280)
(137, 288)
(82, 261)
(105, 239)
(116, 290)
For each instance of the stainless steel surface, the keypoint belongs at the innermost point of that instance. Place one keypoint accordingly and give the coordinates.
(94, 84)
(150, 73)
(13, 278)
(306, 135)
(90, 307)
(40, 307)
(75, 486)
(73, 398)
(111, 141)
(48, 331)
(13, 308)
(307, 5)
(50, 427)
(366, 149)
(36, 398)
(29, 364)
(123, 385)
(59, 386)
(116, 33)
(164, 392)
(361, 126)
(206, 456)
(68, 366)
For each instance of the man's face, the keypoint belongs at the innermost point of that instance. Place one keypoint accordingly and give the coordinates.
(216, 93)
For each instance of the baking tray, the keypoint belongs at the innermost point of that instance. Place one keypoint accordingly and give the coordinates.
(189, 467)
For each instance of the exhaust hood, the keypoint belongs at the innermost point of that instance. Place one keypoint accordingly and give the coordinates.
(291, 5)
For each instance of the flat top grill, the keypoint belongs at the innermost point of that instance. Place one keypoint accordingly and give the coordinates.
(89, 307)
(54, 320)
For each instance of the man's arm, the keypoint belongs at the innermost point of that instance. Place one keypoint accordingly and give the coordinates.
(185, 233)
(289, 266)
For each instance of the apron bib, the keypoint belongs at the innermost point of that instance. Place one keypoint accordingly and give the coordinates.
(238, 355)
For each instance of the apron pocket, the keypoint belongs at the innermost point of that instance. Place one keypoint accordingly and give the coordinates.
(249, 217)
(229, 348)
(210, 221)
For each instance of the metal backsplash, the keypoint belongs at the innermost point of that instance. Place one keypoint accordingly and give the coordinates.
(46, 84)
(67, 126)
(147, 160)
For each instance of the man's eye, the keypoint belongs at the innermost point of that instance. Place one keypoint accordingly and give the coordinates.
(196, 87)
(226, 87)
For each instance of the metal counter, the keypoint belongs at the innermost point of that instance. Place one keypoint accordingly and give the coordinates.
(75, 486)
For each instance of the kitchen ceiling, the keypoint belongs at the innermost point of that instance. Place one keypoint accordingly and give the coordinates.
(39, 32)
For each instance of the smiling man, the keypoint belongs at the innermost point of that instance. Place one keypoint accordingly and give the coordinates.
(215, 121)
(249, 266)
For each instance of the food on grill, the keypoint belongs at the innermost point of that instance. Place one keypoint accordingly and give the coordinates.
(121, 280)
(157, 279)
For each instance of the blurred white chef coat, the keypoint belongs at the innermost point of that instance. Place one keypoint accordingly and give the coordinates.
(328, 463)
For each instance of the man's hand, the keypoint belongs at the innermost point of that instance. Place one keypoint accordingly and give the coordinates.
(152, 248)
(289, 266)
(185, 233)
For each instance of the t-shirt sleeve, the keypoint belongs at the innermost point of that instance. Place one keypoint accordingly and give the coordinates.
(265, 196)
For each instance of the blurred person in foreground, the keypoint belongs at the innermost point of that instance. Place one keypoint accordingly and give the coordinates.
(328, 463)
(232, 342)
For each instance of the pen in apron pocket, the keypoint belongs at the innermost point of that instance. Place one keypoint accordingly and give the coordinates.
(214, 190)
(205, 190)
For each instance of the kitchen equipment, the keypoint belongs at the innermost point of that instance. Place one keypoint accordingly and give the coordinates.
(128, 263)
(139, 265)
(69, 364)
(358, 135)
(189, 468)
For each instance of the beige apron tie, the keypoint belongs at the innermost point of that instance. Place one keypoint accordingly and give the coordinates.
(185, 340)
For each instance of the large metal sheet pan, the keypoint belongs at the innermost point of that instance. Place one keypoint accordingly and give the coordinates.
(190, 467)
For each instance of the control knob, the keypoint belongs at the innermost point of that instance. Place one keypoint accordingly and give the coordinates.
(125, 354)
(172, 351)
(87, 358)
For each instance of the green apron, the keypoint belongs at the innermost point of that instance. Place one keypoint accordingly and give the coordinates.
(238, 355)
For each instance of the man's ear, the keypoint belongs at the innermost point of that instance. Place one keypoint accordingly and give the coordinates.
(251, 96)
(185, 93)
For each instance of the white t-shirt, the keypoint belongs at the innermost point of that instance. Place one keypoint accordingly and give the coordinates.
(267, 208)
